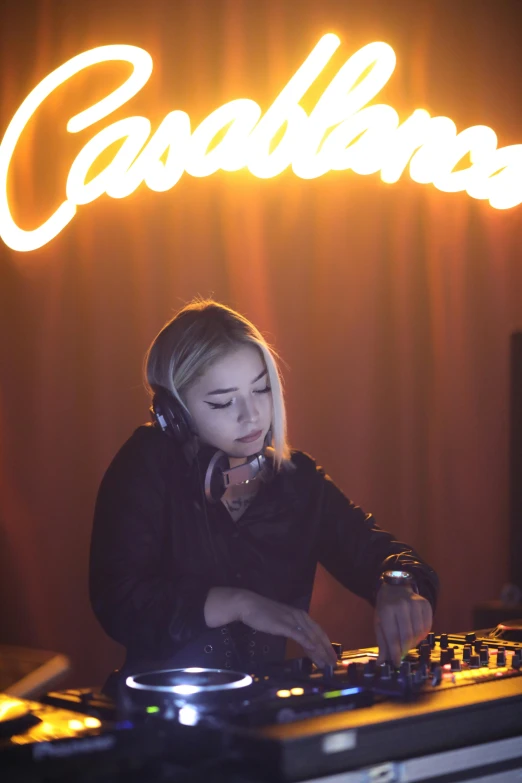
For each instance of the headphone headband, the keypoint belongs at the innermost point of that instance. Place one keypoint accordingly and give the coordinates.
(171, 416)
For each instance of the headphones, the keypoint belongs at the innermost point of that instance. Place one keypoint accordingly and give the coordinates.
(176, 422)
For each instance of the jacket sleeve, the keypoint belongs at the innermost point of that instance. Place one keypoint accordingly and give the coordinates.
(135, 598)
(355, 550)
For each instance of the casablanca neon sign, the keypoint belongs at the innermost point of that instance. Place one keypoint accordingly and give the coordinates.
(341, 133)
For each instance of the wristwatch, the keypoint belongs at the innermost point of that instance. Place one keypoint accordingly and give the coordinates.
(399, 579)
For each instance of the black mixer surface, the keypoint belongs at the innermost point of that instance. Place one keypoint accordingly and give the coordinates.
(294, 721)
(423, 707)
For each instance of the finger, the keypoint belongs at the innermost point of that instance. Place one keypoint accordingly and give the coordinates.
(319, 654)
(404, 624)
(390, 630)
(298, 631)
(324, 644)
(427, 616)
(418, 622)
(384, 653)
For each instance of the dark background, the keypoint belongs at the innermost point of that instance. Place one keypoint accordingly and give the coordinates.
(392, 305)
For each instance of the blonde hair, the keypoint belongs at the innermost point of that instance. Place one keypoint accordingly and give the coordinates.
(198, 335)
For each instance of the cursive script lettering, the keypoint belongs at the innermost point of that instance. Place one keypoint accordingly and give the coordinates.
(341, 133)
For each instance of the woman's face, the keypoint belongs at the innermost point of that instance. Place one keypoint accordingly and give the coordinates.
(231, 400)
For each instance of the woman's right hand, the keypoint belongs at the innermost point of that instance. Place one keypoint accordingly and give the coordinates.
(279, 619)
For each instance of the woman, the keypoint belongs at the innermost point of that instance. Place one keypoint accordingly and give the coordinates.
(208, 528)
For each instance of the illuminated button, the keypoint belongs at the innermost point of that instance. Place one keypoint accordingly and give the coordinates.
(297, 691)
(284, 694)
(92, 723)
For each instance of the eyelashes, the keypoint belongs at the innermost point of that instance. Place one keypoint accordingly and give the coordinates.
(217, 406)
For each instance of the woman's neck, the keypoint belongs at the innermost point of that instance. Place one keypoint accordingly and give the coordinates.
(235, 461)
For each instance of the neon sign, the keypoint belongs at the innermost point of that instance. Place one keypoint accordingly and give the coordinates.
(341, 133)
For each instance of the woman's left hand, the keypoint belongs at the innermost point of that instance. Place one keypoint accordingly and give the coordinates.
(402, 619)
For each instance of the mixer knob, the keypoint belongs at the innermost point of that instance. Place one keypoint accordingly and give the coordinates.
(470, 638)
(474, 661)
(370, 668)
(501, 657)
(446, 656)
(431, 639)
(484, 656)
(443, 641)
(436, 675)
(351, 672)
(456, 665)
(303, 665)
(466, 652)
(477, 645)
(405, 667)
(328, 671)
(338, 649)
(424, 651)
(424, 670)
(418, 678)
(385, 671)
(515, 661)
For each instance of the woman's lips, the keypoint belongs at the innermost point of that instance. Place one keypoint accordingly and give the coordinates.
(250, 438)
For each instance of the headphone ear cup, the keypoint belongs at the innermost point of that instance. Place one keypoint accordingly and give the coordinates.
(171, 417)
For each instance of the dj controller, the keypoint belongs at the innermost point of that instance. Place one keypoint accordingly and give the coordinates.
(291, 721)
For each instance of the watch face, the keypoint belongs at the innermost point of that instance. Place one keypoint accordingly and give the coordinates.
(400, 575)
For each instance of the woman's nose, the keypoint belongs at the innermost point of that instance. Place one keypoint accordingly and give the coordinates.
(249, 410)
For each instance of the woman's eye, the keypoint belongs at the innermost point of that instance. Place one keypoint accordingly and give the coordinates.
(263, 391)
(217, 406)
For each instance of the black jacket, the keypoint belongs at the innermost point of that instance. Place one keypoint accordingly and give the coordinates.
(152, 564)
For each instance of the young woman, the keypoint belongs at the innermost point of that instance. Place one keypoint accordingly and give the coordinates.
(208, 528)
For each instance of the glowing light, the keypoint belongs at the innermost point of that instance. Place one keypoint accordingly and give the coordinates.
(186, 690)
(152, 709)
(283, 694)
(76, 725)
(343, 692)
(297, 691)
(341, 133)
(92, 723)
(13, 235)
(188, 715)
